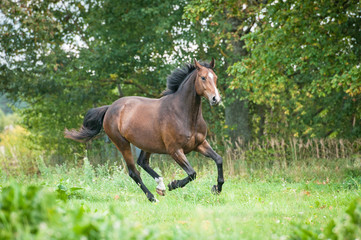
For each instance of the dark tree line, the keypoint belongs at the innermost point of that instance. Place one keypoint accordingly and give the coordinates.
(285, 68)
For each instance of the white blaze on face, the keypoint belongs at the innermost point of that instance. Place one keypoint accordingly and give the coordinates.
(218, 97)
(211, 76)
(160, 182)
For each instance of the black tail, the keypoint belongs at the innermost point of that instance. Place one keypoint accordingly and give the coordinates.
(92, 124)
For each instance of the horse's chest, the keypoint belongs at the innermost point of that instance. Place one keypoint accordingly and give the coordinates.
(177, 134)
(194, 139)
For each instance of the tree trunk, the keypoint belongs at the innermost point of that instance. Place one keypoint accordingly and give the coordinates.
(237, 116)
(262, 114)
(237, 120)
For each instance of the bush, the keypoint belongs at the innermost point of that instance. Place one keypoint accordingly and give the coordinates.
(347, 226)
(22, 212)
(34, 213)
(19, 154)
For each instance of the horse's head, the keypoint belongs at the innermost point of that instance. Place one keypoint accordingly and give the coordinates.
(206, 83)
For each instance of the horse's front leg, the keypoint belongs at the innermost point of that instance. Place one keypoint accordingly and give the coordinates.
(181, 159)
(207, 151)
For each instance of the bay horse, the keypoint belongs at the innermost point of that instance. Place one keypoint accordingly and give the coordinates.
(172, 124)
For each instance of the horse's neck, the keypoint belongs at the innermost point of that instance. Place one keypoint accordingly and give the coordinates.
(189, 102)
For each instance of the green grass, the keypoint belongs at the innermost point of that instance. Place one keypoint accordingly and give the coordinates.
(264, 203)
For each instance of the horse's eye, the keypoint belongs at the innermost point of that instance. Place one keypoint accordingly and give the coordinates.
(203, 78)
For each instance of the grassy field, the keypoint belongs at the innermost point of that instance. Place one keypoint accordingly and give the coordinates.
(257, 203)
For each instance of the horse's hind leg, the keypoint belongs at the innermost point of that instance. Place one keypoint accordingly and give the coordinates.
(143, 161)
(124, 147)
(181, 159)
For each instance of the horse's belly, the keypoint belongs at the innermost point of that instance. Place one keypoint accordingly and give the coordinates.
(151, 148)
(147, 141)
(145, 138)
(138, 123)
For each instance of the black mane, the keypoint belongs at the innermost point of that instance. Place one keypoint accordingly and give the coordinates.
(177, 77)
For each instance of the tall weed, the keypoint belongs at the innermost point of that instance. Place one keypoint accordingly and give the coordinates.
(18, 154)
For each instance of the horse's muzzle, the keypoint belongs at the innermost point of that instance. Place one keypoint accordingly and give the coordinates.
(214, 101)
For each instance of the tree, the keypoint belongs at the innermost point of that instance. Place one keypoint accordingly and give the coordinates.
(305, 67)
(224, 23)
(64, 57)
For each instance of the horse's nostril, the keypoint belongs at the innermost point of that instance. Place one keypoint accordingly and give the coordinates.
(214, 99)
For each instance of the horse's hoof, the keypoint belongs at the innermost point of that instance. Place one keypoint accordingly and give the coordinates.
(153, 200)
(160, 192)
(215, 190)
(172, 185)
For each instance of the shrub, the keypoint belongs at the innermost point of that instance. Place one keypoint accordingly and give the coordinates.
(19, 154)
(22, 212)
(347, 226)
(34, 213)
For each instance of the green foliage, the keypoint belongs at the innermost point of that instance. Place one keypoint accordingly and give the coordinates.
(79, 55)
(293, 66)
(221, 25)
(88, 170)
(33, 213)
(346, 226)
(2, 120)
(266, 202)
(7, 120)
(19, 155)
(64, 193)
(4, 104)
(305, 68)
(21, 213)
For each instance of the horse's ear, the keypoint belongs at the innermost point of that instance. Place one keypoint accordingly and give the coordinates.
(212, 63)
(196, 64)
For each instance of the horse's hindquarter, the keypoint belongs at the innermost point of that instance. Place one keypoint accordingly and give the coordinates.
(137, 120)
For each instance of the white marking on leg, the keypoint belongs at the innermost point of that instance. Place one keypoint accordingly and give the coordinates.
(160, 182)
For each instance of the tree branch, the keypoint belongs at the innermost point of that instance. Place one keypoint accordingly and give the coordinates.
(141, 87)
